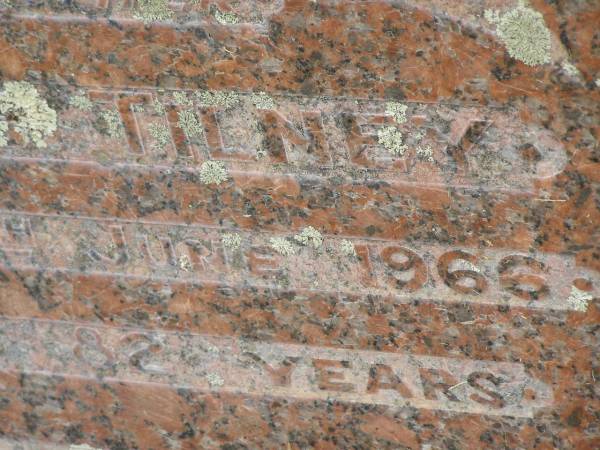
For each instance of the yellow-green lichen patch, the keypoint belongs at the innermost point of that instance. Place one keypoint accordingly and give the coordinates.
(213, 172)
(215, 380)
(185, 264)
(418, 136)
(33, 119)
(391, 138)
(578, 299)
(3, 132)
(158, 107)
(492, 16)
(347, 248)
(225, 18)
(181, 99)
(112, 123)
(570, 69)
(138, 108)
(425, 153)
(218, 99)
(211, 348)
(153, 10)
(397, 111)
(188, 122)
(232, 241)
(282, 246)
(524, 33)
(309, 236)
(161, 134)
(81, 102)
(262, 100)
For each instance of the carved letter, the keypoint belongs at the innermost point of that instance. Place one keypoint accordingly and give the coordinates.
(325, 375)
(496, 399)
(262, 261)
(437, 380)
(382, 376)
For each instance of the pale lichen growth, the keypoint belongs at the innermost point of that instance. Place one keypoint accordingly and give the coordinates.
(153, 10)
(185, 264)
(347, 247)
(391, 138)
(211, 348)
(418, 136)
(262, 100)
(309, 236)
(112, 121)
(524, 33)
(188, 122)
(161, 134)
(570, 69)
(397, 111)
(3, 132)
(213, 172)
(34, 120)
(578, 299)
(282, 246)
(232, 241)
(138, 108)
(261, 153)
(425, 153)
(597, 82)
(218, 99)
(214, 379)
(81, 102)
(492, 15)
(225, 18)
(158, 107)
(181, 99)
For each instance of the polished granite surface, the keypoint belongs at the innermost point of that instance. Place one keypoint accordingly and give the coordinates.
(298, 224)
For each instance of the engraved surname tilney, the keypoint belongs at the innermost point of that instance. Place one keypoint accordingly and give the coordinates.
(378, 267)
(441, 144)
(181, 12)
(281, 370)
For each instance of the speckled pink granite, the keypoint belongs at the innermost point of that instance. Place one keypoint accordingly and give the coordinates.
(448, 328)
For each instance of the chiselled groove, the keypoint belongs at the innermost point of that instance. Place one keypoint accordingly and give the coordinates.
(175, 13)
(445, 145)
(224, 364)
(190, 253)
